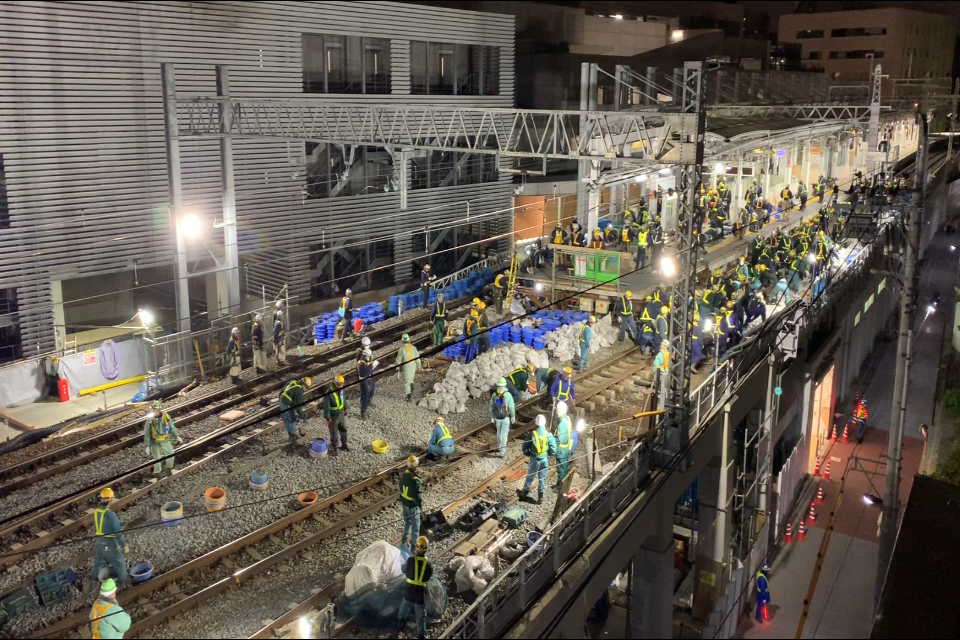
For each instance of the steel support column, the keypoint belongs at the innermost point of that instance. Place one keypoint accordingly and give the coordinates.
(231, 255)
(175, 185)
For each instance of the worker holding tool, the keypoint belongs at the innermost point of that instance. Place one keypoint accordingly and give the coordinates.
(335, 413)
(562, 388)
(291, 406)
(418, 572)
(483, 324)
(538, 444)
(409, 360)
(438, 314)
(441, 442)
(107, 617)
(564, 443)
(502, 415)
(109, 547)
(157, 431)
(763, 592)
(233, 355)
(411, 499)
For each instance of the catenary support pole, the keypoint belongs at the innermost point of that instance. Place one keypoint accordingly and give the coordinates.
(172, 138)
(231, 254)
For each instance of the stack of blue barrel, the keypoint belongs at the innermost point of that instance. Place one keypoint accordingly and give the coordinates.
(469, 286)
(370, 313)
(326, 327)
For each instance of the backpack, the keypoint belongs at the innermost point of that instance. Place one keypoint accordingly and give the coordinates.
(500, 407)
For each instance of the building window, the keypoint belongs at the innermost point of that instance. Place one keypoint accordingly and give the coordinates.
(809, 34)
(4, 205)
(447, 169)
(868, 304)
(858, 31)
(438, 68)
(856, 319)
(883, 284)
(345, 64)
(856, 53)
(346, 170)
(815, 55)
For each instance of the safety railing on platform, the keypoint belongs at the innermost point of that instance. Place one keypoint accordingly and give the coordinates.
(515, 589)
(491, 262)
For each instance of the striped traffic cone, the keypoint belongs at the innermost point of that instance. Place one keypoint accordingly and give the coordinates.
(833, 434)
(812, 516)
(820, 494)
(816, 470)
(826, 471)
(801, 532)
(788, 536)
(846, 428)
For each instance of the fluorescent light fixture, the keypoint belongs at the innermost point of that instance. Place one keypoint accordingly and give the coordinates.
(718, 168)
(676, 35)
(538, 287)
(667, 267)
(665, 171)
(146, 317)
(872, 500)
(581, 425)
(190, 226)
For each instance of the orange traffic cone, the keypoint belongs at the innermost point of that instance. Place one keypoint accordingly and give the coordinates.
(833, 433)
(788, 536)
(826, 472)
(813, 515)
(801, 532)
(816, 470)
(846, 428)
(820, 494)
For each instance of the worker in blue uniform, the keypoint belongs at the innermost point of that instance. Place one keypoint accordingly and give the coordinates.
(729, 327)
(586, 332)
(279, 346)
(662, 326)
(441, 442)
(623, 311)
(365, 375)
(346, 313)
(538, 445)
(648, 337)
(291, 406)
(562, 388)
(696, 344)
(109, 546)
(756, 308)
(426, 281)
(763, 592)
(256, 338)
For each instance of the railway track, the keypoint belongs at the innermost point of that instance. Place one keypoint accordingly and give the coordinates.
(65, 516)
(255, 553)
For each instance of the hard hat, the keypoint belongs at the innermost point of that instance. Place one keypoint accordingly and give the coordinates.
(502, 383)
(649, 298)
(366, 341)
(307, 380)
(156, 404)
(481, 305)
(531, 366)
(561, 408)
(405, 337)
(257, 318)
(439, 296)
(629, 294)
(413, 462)
(567, 370)
(426, 267)
(596, 232)
(730, 304)
(279, 313)
(664, 343)
(235, 330)
(279, 303)
(475, 301)
(348, 292)
(108, 587)
(339, 379)
(422, 544)
(541, 420)
(438, 420)
(593, 319)
(474, 313)
(765, 568)
(106, 494)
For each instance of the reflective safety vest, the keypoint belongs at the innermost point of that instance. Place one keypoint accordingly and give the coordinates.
(446, 436)
(343, 305)
(419, 570)
(564, 445)
(440, 311)
(627, 305)
(99, 610)
(761, 574)
(164, 421)
(557, 236)
(293, 384)
(336, 399)
(515, 372)
(563, 394)
(642, 238)
(498, 282)
(644, 315)
(98, 515)
(539, 444)
(597, 243)
(582, 327)
(625, 234)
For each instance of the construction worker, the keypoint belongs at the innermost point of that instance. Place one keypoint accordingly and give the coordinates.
(107, 617)
(365, 376)
(109, 547)
(596, 242)
(346, 313)
(763, 592)
(256, 338)
(647, 337)
(499, 289)
(559, 235)
(562, 388)
(518, 379)
(418, 572)
(662, 361)
(821, 187)
(564, 443)
(696, 344)
(537, 444)
(279, 347)
(335, 413)
(860, 415)
(643, 245)
(426, 281)
(586, 332)
(364, 345)
(544, 377)
(756, 308)
(623, 311)
(441, 442)
(470, 330)
(483, 337)
(409, 360)
(502, 414)
(233, 355)
(802, 195)
(277, 310)
(411, 499)
(291, 406)
(730, 327)
(662, 326)
(157, 431)
(578, 235)
(438, 315)
(628, 236)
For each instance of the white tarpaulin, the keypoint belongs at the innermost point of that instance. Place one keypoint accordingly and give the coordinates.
(374, 565)
(82, 370)
(22, 384)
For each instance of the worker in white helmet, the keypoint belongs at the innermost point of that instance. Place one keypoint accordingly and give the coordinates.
(564, 443)
(233, 355)
(256, 338)
(538, 444)
(279, 346)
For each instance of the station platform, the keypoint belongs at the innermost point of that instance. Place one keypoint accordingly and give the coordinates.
(50, 411)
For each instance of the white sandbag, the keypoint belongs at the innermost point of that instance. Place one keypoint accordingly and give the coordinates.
(467, 579)
(374, 565)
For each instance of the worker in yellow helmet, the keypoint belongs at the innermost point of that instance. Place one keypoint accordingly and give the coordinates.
(157, 432)
(411, 499)
(109, 546)
(335, 413)
(441, 442)
(418, 571)
(471, 332)
(291, 406)
(107, 617)
(585, 334)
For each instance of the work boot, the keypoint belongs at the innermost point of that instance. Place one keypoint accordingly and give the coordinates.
(259, 371)
(522, 494)
(539, 498)
(333, 452)
(343, 445)
(235, 379)
(292, 438)
(409, 397)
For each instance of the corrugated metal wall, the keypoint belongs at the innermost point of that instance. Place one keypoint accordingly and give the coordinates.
(81, 134)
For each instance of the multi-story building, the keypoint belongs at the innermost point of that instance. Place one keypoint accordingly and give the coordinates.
(84, 225)
(847, 44)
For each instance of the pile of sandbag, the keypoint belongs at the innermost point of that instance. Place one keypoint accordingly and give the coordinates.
(473, 573)
(564, 343)
(473, 380)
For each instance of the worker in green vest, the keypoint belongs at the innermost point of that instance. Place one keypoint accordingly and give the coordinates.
(109, 546)
(335, 413)
(291, 406)
(438, 314)
(408, 357)
(157, 431)
(538, 444)
(418, 572)
(441, 442)
(584, 336)
(564, 443)
(411, 499)
(518, 379)
(107, 617)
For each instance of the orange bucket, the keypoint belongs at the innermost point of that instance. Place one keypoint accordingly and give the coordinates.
(214, 499)
(307, 498)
